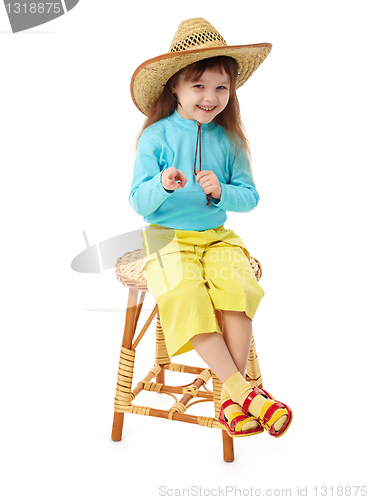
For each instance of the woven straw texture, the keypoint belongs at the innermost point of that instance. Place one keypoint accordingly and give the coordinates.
(192, 393)
(196, 33)
(128, 270)
(195, 39)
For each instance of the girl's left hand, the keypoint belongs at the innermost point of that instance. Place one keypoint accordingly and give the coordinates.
(209, 183)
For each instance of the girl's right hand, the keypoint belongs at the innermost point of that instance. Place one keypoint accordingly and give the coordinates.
(171, 178)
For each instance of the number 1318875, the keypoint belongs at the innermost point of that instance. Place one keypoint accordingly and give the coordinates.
(340, 491)
(34, 8)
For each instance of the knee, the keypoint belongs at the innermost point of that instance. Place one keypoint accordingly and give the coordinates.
(235, 314)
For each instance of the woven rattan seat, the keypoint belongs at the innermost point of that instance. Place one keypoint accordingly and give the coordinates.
(128, 272)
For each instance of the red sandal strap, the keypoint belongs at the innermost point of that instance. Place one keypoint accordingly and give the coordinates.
(270, 411)
(235, 421)
(227, 403)
(266, 393)
(250, 397)
(281, 431)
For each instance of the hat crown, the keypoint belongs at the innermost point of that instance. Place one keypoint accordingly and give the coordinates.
(196, 33)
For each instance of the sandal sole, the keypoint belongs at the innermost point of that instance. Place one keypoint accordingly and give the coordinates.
(282, 431)
(236, 434)
(287, 424)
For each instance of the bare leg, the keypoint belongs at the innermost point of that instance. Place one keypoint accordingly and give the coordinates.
(225, 354)
(212, 348)
(237, 334)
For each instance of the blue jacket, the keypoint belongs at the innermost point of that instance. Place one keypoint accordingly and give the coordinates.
(172, 142)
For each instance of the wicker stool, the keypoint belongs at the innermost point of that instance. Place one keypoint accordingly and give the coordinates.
(128, 272)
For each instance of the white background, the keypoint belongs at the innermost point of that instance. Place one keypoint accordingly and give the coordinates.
(68, 128)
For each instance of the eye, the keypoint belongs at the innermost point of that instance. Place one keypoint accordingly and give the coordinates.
(222, 87)
(198, 86)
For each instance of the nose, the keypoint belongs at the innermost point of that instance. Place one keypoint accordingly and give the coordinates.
(210, 96)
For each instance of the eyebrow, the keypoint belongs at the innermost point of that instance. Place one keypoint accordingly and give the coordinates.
(225, 82)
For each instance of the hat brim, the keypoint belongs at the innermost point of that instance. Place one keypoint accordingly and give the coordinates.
(148, 79)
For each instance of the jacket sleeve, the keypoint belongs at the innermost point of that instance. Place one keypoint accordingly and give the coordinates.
(147, 192)
(239, 194)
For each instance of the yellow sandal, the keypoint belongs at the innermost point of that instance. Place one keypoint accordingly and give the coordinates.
(234, 424)
(271, 411)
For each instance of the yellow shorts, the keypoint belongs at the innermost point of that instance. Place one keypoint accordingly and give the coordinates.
(193, 273)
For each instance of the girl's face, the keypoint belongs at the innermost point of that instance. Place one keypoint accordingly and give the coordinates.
(203, 99)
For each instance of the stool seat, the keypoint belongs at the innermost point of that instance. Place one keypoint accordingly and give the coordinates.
(128, 272)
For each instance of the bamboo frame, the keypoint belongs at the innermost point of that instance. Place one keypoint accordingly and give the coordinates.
(192, 392)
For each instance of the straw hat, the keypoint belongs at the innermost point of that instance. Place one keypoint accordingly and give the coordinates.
(195, 39)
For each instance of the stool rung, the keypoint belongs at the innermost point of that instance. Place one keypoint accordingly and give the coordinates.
(179, 390)
(175, 367)
(144, 329)
(154, 371)
(154, 412)
(129, 272)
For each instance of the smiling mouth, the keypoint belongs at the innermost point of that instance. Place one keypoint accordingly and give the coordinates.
(206, 109)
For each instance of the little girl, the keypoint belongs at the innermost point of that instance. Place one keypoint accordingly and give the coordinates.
(191, 168)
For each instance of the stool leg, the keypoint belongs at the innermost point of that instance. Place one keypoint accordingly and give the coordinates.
(253, 373)
(161, 355)
(116, 433)
(129, 331)
(228, 452)
(160, 378)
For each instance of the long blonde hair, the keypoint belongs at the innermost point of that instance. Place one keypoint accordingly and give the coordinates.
(229, 118)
